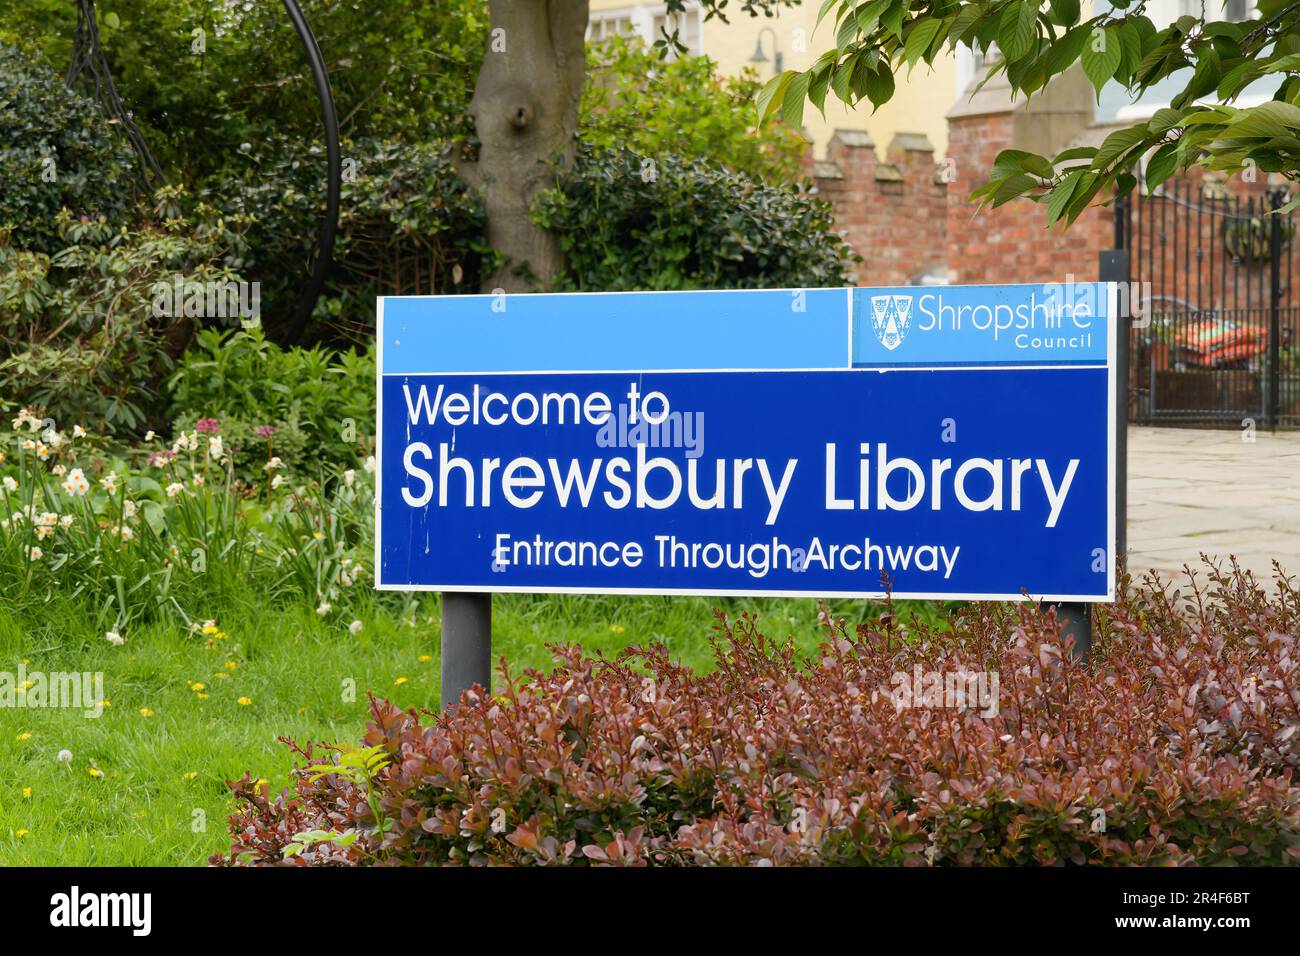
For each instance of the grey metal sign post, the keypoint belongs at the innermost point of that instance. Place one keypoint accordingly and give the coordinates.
(1076, 619)
(466, 643)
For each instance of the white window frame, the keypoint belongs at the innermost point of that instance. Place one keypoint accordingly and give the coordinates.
(643, 16)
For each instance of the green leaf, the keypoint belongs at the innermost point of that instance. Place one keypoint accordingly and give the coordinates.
(880, 85)
(1075, 152)
(1117, 144)
(842, 78)
(1164, 120)
(826, 8)
(1062, 54)
(792, 103)
(1101, 57)
(112, 21)
(919, 40)
(1018, 29)
(769, 97)
(1012, 187)
(1161, 165)
(1061, 195)
(1065, 12)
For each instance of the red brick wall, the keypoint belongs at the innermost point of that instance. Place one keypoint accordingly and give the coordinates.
(1011, 243)
(905, 221)
(893, 213)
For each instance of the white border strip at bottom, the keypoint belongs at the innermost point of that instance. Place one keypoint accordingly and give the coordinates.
(715, 592)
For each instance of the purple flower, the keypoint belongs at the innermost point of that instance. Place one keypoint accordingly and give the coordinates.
(209, 426)
(266, 431)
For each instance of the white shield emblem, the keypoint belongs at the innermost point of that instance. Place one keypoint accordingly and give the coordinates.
(891, 317)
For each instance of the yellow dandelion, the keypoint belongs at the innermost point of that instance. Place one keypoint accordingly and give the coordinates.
(617, 628)
(96, 772)
(192, 775)
(200, 696)
(24, 736)
(198, 687)
(209, 629)
(399, 681)
(244, 701)
(146, 712)
(231, 665)
(425, 658)
(20, 833)
(27, 793)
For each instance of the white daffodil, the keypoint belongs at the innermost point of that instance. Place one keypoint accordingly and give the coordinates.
(76, 483)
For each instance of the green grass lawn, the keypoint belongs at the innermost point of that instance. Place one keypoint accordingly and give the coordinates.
(146, 783)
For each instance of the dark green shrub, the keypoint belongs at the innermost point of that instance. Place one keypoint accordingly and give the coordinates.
(629, 222)
(56, 152)
(408, 224)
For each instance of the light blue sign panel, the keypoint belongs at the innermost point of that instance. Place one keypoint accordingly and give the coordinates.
(570, 464)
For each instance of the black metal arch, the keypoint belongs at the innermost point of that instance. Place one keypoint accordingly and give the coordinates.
(330, 221)
(89, 72)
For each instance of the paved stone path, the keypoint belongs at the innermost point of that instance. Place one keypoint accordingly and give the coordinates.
(1194, 490)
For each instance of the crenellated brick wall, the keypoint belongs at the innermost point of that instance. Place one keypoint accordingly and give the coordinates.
(894, 212)
(910, 220)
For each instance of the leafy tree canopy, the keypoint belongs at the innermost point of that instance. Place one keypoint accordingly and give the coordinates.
(633, 100)
(1218, 63)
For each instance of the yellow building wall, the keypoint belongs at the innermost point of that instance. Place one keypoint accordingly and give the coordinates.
(920, 101)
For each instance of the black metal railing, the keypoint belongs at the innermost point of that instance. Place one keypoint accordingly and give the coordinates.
(1216, 337)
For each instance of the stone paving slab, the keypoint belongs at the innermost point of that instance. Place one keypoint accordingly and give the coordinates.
(1193, 490)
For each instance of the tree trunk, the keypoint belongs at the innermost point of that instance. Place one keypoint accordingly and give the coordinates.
(525, 109)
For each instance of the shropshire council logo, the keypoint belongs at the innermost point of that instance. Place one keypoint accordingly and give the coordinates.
(891, 318)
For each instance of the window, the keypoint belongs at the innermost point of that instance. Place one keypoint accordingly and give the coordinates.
(686, 25)
(649, 21)
(602, 26)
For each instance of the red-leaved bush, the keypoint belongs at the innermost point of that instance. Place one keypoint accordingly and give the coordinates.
(1175, 744)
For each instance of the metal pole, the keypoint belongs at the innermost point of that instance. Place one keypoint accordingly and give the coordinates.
(466, 643)
(1275, 198)
(1076, 622)
(1114, 267)
(330, 221)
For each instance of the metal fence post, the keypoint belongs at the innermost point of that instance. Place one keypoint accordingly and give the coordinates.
(466, 643)
(1275, 199)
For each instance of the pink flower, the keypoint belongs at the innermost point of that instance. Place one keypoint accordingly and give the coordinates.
(266, 431)
(208, 426)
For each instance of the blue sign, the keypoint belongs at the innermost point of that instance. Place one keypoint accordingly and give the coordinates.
(800, 442)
